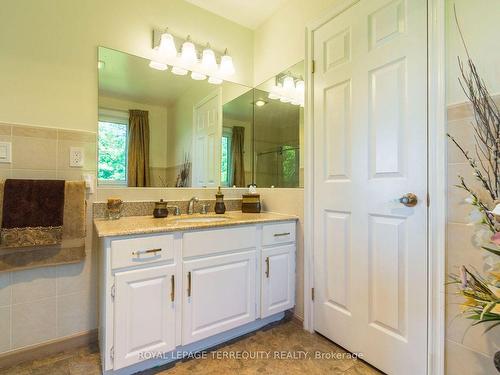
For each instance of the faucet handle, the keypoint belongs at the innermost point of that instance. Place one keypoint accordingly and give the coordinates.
(204, 208)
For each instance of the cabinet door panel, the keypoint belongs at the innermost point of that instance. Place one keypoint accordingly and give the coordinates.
(144, 314)
(221, 295)
(278, 279)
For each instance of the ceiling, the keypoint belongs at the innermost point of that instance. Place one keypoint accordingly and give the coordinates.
(244, 12)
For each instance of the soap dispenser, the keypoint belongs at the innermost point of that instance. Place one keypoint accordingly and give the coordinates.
(220, 206)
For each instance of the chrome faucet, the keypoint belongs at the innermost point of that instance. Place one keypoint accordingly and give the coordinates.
(192, 201)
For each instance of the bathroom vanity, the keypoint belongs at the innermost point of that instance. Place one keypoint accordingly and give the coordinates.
(187, 283)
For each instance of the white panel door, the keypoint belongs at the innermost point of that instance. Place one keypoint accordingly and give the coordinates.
(207, 145)
(278, 279)
(220, 294)
(370, 124)
(144, 314)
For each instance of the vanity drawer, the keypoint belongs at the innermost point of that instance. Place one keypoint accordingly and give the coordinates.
(218, 240)
(141, 250)
(273, 234)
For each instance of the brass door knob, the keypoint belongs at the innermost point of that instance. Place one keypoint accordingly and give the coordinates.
(409, 200)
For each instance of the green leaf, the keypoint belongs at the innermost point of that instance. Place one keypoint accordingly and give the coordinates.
(494, 251)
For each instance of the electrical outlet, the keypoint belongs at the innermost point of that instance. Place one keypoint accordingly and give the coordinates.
(76, 157)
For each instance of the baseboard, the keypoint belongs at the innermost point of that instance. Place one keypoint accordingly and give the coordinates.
(298, 320)
(38, 351)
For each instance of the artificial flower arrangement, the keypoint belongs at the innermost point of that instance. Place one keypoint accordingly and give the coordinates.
(481, 291)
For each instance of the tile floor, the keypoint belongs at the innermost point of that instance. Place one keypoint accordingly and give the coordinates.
(286, 336)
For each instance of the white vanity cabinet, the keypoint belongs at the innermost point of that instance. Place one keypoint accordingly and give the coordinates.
(278, 268)
(144, 313)
(166, 293)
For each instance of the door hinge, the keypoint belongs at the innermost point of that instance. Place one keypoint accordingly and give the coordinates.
(113, 291)
(312, 294)
(313, 66)
(112, 353)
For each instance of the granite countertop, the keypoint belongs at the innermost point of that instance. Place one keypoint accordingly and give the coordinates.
(149, 224)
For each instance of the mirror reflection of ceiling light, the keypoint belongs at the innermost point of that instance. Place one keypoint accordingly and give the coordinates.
(100, 64)
(198, 76)
(288, 89)
(260, 103)
(165, 54)
(214, 80)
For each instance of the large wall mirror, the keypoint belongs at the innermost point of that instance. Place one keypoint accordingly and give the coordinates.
(159, 129)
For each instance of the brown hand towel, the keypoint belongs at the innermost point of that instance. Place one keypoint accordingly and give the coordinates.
(32, 213)
(72, 247)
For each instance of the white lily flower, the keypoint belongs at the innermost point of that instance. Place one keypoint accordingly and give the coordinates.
(481, 236)
(496, 210)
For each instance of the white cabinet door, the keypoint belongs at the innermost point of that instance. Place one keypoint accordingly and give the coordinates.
(144, 314)
(219, 294)
(278, 279)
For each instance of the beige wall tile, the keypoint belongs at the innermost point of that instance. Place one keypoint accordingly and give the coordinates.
(33, 322)
(463, 133)
(5, 324)
(73, 278)
(5, 288)
(33, 284)
(5, 173)
(78, 136)
(5, 129)
(34, 174)
(34, 132)
(63, 149)
(459, 357)
(76, 313)
(74, 174)
(34, 153)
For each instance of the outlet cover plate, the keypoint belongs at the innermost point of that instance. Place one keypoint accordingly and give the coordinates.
(76, 157)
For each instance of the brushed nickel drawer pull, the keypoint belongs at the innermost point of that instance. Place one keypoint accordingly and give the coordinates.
(281, 234)
(267, 267)
(172, 292)
(189, 284)
(150, 251)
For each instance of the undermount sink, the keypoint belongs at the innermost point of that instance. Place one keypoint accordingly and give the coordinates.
(202, 219)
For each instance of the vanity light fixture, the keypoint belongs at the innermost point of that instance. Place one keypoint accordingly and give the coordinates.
(157, 65)
(226, 65)
(179, 71)
(167, 46)
(260, 103)
(198, 76)
(208, 61)
(165, 54)
(188, 54)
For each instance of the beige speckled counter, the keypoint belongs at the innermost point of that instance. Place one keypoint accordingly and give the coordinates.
(149, 224)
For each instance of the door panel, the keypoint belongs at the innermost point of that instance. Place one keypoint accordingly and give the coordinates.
(278, 279)
(208, 132)
(144, 314)
(220, 294)
(370, 147)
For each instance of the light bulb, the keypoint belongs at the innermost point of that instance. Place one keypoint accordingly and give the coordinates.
(288, 83)
(198, 76)
(179, 71)
(273, 95)
(260, 103)
(157, 65)
(299, 86)
(188, 54)
(214, 80)
(208, 62)
(167, 46)
(226, 65)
